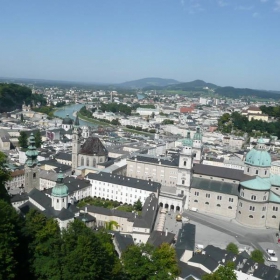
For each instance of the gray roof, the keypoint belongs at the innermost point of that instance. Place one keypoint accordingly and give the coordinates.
(186, 239)
(93, 146)
(149, 212)
(123, 241)
(189, 271)
(205, 260)
(158, 237)
(172, 161)
(64, 156)
(215, 171)
(41, 198)
(125, 181)
(215, 186)
(19, 197)
(57, 166)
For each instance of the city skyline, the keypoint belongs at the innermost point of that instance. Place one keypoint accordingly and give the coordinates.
(225, 43)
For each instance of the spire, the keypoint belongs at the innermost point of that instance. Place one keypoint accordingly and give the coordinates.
(188, 141)
(77, 121)
(197, 135)
(31, 152)
(60, 189)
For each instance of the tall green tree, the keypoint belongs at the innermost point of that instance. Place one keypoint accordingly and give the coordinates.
(137, 205)
(23, 140)
(222, 273)
(38, 139)
(257, 256)
(144, 262)
(231, 247)
(5, 176)
(9, 241)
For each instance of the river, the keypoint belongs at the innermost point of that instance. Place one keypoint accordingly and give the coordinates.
(69, 110)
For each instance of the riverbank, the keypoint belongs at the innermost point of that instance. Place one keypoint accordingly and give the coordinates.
(94, 121)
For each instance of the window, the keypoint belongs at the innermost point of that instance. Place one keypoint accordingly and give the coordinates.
(82, 161)
(229, 207)
(34, 175)
(264, 208)
(273, 217)
(218, 205)
(251, 216)
(185, 163)
(242, 194)
(263, 217)
(230, 199)
(264, 198)
(275, 208)
(252, 208)
(87, 161)
(219, 197)
(257, 172)
(208, 195)
(196, 200)
(183, 182)
(207, 203)
(196, 193)
(265, 172)
(240, 204)
(239, 212)
(253, 197)
(248, 169)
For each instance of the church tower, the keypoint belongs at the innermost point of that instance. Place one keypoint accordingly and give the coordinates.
(59, 194)
(197, 146)
(31, 166)
(184, 169)
(75, 143)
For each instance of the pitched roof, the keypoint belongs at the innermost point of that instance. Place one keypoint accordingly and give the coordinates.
(205, 260)
(125, 181)
(158, 237)
(215, 171)
(41, 198)
(93, 146)
(215, 186)
(185, 239)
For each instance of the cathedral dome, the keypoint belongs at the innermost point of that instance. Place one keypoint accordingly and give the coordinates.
(188, 141)
(259, 156)
(197, 135)
(67, 120)
(60, 189)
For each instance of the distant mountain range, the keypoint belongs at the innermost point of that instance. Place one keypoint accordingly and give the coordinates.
(147, 82)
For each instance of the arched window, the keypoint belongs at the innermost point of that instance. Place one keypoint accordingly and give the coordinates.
(263, 217)
(273, 217)
(94, 162)
(82, 161)
(251, 216)
(253, 197)
(257, 172)
(229, 207)
(207, 202)
(218, 205)
(87, 161)
(239, 212)
(196, 200)
(34, 175)
(185, 163)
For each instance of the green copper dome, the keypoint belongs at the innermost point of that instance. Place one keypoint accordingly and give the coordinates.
(60, 189)
(197, 135)
(188, 141)
(259, 156)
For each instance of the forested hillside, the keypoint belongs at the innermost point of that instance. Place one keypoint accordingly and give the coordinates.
(12, 97)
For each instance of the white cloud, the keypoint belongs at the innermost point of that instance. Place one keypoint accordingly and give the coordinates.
(222, 3)
(277, 6)
(245, 8)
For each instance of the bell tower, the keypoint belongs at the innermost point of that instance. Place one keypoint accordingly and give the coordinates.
(31, 175)
(75, 143)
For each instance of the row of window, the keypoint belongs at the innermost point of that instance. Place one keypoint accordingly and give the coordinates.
(253, 197)
(120, 194)
(252, 208)
(263, 216)
(219, 197)
(207, 203)
(256, 172)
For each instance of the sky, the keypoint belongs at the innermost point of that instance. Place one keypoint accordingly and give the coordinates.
(226, 42)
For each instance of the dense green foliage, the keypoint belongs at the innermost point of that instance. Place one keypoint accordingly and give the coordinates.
(12, 97)
(144, 262)
(4, 177)
(257, 256)
(115, 108)
(233, 248)
(38, 139)
(240, 124)
(167, 121)
(48, 110)
(272, 111)
(23, 140)
(222, 273)
(138, 205)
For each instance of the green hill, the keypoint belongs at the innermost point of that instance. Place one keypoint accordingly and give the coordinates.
(142, 83)
(12, 97)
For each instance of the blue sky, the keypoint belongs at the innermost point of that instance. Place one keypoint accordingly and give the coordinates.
(227, 42)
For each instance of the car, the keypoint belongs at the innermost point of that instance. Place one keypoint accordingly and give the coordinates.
(271, 252)
(272, 259)
(273, 265)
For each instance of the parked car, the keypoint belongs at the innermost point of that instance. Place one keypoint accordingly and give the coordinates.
(271, 252)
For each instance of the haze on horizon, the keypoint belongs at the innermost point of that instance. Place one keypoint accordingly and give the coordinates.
(224, 42)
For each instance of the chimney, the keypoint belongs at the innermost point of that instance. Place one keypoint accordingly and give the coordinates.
(166, 232)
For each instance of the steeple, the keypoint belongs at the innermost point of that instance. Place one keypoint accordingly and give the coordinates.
(60, 193)
(77, 121)
(31, 152)
(188, 141)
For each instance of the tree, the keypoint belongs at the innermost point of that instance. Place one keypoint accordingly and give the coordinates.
(257, 256)
(23, 140)
(4, 177)
(144, 262)
(21, 117)
(231, 247)
(111, 225)
(38, 139)
(222, 273)
(9, 240)
(137, 205)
